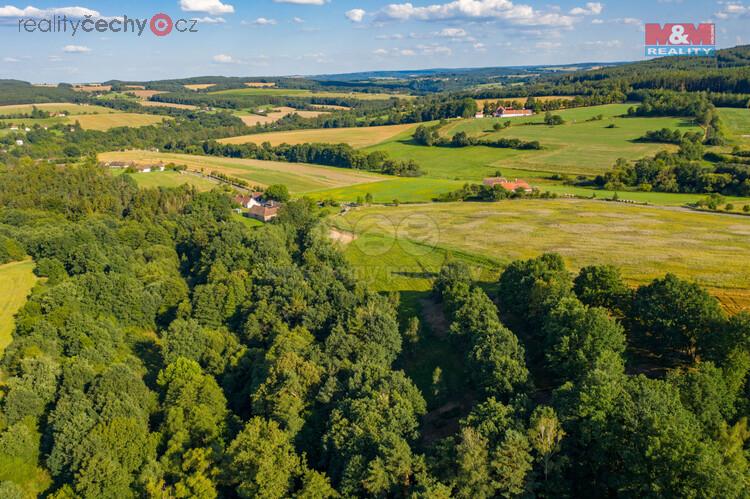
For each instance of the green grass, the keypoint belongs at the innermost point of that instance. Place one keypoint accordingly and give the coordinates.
(644, 242)
(113, 120)
(405, 190)
(70, 109)
(738, 123)
(17, 279)
(578, 147)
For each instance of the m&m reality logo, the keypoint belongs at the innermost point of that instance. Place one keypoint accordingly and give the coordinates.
(680, 39)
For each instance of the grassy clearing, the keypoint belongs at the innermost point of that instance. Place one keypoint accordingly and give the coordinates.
(298, 177)
(356, 137)
(578, 147)
(16, 281)
(738, 122)
(199, 86)
(644, 242)
(114, 120)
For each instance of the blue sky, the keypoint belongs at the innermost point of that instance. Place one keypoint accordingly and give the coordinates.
(302, 37)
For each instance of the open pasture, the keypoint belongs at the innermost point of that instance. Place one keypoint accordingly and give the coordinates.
(16, 281)
(403, 190)
(644, 242)
(737, 122)
(199, 86)
(298, 177)
(113, 120)
(355, 137)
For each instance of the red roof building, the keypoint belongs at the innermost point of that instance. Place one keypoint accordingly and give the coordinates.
(508, 185)
(509, 112)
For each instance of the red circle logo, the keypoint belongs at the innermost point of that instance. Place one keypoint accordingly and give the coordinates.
(161, 24)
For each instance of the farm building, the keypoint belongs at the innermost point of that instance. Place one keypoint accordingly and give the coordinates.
(509, 112)
(118, 164)
(264, 212)
(149, 168)
(249, 200)
(508, 185)
(19, 142)
(479, 115)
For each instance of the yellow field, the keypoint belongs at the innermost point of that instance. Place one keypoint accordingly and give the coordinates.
(150, 103)
(644, 242)
(276, 115)
(355, 137)
(259, 84)
(113, 120)
(62, 107)
(93, 88)
(199, 86)
(298, 177)
(145, 94)
(16, 281)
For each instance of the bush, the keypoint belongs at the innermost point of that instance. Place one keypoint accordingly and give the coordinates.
(746, 208)
(10, 250)
(729, 207)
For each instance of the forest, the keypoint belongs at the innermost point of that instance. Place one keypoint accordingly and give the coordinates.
(171, 351)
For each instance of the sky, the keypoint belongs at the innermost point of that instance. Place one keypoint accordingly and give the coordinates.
(308, 37)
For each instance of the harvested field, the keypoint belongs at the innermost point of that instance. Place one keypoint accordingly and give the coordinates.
(298, 177)
(355, 137)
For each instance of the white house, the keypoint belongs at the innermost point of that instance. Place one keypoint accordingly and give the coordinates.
(249, 200)
(19, 142)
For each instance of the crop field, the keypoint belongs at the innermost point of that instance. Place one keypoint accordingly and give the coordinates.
(70, 109)
(150, 103)
(16, 281)
(356, 137)
(113, 120)
(644, 242)
(738, 122)
(275, 115)
(199, 86)
(298, 177)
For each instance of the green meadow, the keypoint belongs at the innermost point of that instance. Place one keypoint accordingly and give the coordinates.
(400, 248)
(16, 281)
(738, 124)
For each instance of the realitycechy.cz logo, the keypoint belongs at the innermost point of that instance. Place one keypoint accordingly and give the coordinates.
(160, 25)
(677, 39)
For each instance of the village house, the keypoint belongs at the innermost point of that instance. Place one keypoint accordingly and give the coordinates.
(249, 200)
(19, 142)
(479, 115)
(265, 212)
(118, 164)
(508, 185)
(509, 112)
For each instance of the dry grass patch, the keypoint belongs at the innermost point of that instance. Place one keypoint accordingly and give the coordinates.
(276, 115)
(92, 88)
(145, 94)
(259, 84)
(199, 86)
(298, 177)
(355, 137)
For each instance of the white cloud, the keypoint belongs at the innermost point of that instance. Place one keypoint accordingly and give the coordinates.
(453, 33)
(261, 21)
(355, 15)
(213, 7)
(11, 59)
(224, 59)
(733, 9)
(12, 11)
(480, 47)
(211, 20)
(76, 49)
(504, 10)
(548, 45)
(591, 9)
(298, 20)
